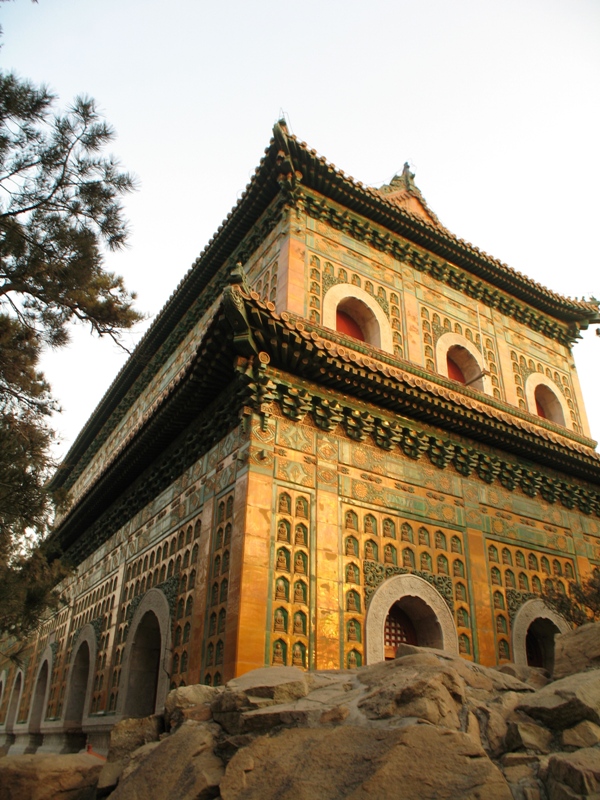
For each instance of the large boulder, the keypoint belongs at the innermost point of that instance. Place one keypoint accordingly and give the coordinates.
(189, 702)
(282, 684)
(129, 734)
(577, 650)
(414, 686)
(48, 777)
(420, 761)
(574, 775)
(182, 765)
(564, 703)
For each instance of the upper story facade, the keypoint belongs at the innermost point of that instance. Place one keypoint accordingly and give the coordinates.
(369, 270)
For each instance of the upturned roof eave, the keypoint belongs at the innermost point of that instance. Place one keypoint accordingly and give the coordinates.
(258, 195)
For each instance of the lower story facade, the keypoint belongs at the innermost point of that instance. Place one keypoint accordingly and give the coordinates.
(316, 538)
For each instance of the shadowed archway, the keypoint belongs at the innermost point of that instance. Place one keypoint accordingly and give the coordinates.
(422, 615)
(144, 663)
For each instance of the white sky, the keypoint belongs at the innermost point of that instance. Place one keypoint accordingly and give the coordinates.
(494, 104)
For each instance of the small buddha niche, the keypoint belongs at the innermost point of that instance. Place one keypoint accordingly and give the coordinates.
(278, 654)
(351, 546)
(283, 533)
(297, 656)
(388, 554)
(369, 551)
(285, 503)
(301, 507)
(280, 589)
(279, 621)
(299, 593)
(352, 603)
(298, 623)
(282, 561)
(352, 632)
(370, 524)
(300, 535)
(299, 565)
(388, 529)
(351, 520)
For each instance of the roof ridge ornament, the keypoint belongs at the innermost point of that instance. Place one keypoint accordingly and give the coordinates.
(402, 189)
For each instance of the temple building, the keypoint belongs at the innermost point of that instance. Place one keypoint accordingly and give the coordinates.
(346, 429)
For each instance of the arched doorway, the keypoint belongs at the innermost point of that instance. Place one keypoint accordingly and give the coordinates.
(539, 644)
(533, 630)
(408, 608)
(80, 673)
(143, 668)
(399, 629)
(39, 700)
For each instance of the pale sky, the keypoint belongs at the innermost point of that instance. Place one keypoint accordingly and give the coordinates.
(494, 104)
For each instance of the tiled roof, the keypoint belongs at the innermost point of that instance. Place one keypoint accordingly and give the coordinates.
(287, 156)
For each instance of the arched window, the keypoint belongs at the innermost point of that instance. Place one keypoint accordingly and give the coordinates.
(354, 312)
(463, 368)
(459, 359)
(345, 323)
(547, 405)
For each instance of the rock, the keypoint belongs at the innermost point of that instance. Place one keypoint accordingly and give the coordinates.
(182, 765)
(418, 686)
(265, 719)
(302, 764)
(109, 777)
(529, 736)
(574, 775)
(577, 650)
(566, 702)
(493, 729)
(586, 734)
(129, 734)
(281, 684)
(135, 759)
(536, 677)
(48, 777)
(186, 697)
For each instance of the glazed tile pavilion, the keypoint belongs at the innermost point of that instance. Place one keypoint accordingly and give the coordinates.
(347, 428)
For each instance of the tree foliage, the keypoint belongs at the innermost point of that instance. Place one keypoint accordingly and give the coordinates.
(581, 604)
(60, 211)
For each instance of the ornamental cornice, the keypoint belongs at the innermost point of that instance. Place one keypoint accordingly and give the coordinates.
(339, 414)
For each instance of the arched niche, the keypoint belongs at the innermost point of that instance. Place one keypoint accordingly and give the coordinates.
(41, 691)
(80, 680)
(146, 659)
(467, 358)
(14, 702)
(534, 628)
(544, 399)
(363, 310)
(424, 606)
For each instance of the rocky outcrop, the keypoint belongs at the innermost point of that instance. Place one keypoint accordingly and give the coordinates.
(427, 762)
(566, 702)
(48, 777)
(431, 723)
(129, 734)
(577, 651)
(183, 766)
